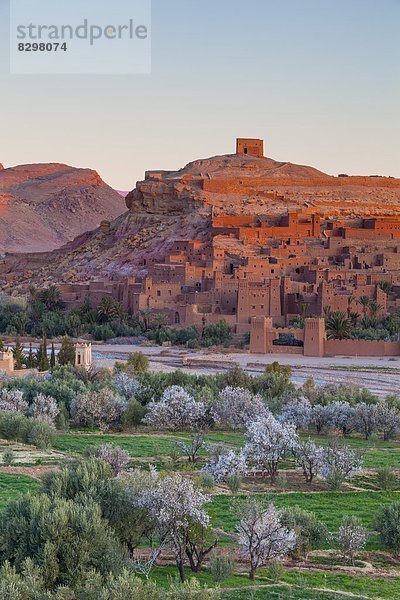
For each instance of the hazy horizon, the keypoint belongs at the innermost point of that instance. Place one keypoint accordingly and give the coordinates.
(319, 82)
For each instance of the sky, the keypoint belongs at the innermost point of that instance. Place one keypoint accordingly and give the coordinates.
(318, 80)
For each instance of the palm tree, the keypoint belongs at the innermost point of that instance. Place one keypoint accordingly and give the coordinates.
(350, 300)
(354, 316)
(338, 326)
(304, 310)
(107, 310)
(374, 308)
(386, 287)
(145, 314)
(159, 320)
(364, 301)
(51, 298)
(327, 310)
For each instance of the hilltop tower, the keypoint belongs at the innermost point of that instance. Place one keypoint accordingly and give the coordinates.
(250, 146)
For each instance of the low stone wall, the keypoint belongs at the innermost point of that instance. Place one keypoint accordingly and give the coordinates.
(361, 348)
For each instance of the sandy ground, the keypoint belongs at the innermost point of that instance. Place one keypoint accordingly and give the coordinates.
(379, 374)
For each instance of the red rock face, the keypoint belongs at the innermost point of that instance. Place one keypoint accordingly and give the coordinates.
(43, 206)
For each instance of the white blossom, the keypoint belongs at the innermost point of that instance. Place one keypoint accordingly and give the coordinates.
(115, 456)
(352, 537)
(193, 445)
(226, 464)
(342, 416)
(13, 401)
(298, 412)
(342, 460)
(268, 441)
(261, 535)
(44, 408)
(236, 407)
(128, 386)
(388, 419)
(176, 506)
(175, 410)
(366, 419)
(321, 417)
(310, 457)
(101, 408)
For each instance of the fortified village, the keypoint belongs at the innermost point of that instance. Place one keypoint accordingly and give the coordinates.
(278, 242)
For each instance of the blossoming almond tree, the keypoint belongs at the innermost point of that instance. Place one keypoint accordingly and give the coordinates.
(176, 410)
(13, 401)
(226, 464)
(268, 441)
(44, 408)
(236, 407)
(262, 536)
(177, 506)
(309, 456)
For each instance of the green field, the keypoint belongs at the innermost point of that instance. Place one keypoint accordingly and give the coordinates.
(295, 584)
(328, 506)
(378, 453)
(322, 580)
(12, 486)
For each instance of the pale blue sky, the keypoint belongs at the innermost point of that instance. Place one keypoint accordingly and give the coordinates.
(319, 80)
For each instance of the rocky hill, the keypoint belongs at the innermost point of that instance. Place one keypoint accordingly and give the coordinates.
(43, 206)
(170, 205)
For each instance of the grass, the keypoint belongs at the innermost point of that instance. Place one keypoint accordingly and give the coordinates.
(12, 486)
(139, 446)
(294, 584)
(328, 506)
(377, 453)
(153, 445)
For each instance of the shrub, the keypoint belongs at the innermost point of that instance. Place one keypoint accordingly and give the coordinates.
(115, 456)
(102, 333)
(386, 479)
(310, 533)
(12, 426)
(334, 480)
(387, 524)
(281, 481)
(40, 435)
(133, 415)
(234, 482)
(275, 570)
(221, 567)
(138, 363)
(8, 457)
(206, 481)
